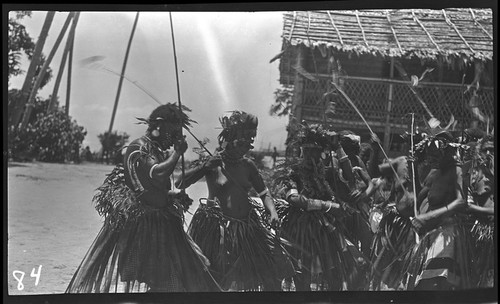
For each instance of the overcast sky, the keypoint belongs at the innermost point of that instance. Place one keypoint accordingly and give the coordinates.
(223, 61)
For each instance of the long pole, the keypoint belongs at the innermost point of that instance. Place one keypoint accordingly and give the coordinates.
(415, 93)
(43, 70)
(123, 73)
(70, 62)
(15, 117)
(177, 82)
(413, 165)
(370, 129)
(415, 210)
(67, 49)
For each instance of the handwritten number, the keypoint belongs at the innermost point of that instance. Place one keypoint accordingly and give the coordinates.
(20, 285)
(19, 276)
(36, 275)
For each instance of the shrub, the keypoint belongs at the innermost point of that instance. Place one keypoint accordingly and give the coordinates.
(48, 137)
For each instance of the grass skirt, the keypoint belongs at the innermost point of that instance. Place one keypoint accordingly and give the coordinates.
(145, 250)
(444, 255)
(244, 254)
(391, 247)
(484, 253)
(322, 252)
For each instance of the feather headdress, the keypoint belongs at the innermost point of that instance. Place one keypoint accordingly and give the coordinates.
(310, 135)
(233, 125)
(169, 112)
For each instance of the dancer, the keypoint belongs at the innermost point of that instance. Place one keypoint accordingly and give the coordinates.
(358, 194)
(142, 245)
(394, 237)
(228, 225)
(481, 207)
(441, 260)
(312, 218)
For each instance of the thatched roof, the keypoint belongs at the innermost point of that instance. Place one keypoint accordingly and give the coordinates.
(455, 33)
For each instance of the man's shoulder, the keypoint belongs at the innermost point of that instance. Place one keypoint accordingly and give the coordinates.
(137, 144)
(248, 162)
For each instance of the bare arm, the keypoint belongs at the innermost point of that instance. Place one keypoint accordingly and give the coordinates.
(363, 174)
(164, 170)
(193, 175)
(346, 166)
(488, 208)
(432, 218)
(269, 205)
(374, 161)
(301, 201)
(472, 208)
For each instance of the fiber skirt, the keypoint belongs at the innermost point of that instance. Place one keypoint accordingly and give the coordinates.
(391, 249)
(484, 253)
(244, 254)
(150, 252)
(443, 257)
(321, 247)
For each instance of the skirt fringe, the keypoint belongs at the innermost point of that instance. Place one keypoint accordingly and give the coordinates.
(149, 252)
(244, 254)
(322, 252)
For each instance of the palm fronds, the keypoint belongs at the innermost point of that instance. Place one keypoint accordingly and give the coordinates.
(391, 248)
(115, 201)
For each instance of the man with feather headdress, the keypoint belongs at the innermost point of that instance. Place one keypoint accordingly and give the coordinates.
(441, 260)
(142, 245)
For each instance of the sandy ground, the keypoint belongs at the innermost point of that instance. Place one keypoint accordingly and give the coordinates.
(52, 222)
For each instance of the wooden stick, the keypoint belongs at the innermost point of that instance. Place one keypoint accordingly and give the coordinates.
(177, 81)
(371, 131)
(413, 165)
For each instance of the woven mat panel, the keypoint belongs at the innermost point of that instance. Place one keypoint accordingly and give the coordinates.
(371, 98)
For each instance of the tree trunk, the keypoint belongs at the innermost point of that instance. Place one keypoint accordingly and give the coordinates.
(67, 49)
(17, 111)
(70, 67)
(34, 90)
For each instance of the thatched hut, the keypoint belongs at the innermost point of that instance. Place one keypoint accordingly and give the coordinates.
(434, 63)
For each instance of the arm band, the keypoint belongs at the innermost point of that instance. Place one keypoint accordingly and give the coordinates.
(291, 192)
(329, 207)
(151, 170)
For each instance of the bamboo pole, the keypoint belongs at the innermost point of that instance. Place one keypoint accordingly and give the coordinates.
(15, 118)
(43, 70)
(369, 129)
(178, 89)
(53, 100)
(122, 74)
(70, 67)
(395, 81)
(387, 131)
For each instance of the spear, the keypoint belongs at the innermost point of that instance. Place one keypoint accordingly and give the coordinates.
(413, 172)
(95, 63)
(177, 82)
(180, 108)
(370, 129)
(382, 149)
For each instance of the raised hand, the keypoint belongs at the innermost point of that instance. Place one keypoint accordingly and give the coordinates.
(181, 146)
